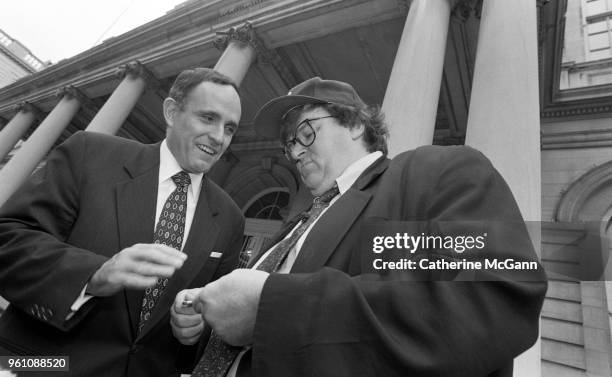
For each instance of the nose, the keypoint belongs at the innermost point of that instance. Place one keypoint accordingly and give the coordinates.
(297, 151)
(216, 133)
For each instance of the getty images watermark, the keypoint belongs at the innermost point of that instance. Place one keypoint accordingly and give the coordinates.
(486, 250)
(459, 245)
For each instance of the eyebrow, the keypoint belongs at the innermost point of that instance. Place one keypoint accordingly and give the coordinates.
(216, 115)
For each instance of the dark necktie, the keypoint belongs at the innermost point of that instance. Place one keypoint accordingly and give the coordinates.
(169, 231)
(219, 356)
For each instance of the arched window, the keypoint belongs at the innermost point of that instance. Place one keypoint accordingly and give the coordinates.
(264, 214)
(269, 206)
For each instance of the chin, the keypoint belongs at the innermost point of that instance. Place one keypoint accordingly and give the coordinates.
(315, 191)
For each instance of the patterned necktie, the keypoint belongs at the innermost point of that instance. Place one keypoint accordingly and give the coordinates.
(168, 231)
(219, 356)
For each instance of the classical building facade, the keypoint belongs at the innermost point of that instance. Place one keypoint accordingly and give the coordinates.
(16, 60)
(445, 71)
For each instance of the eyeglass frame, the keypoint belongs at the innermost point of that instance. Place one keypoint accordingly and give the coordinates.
(295, 139)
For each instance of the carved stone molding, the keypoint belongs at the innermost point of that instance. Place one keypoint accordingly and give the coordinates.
(244, 34)
(576, 139)
(136, 69)
(572, 111)
(26, 107)
(585, 188)
(70, 92)
(463, 9)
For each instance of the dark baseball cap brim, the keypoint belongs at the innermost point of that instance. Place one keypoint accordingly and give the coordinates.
(267, 121)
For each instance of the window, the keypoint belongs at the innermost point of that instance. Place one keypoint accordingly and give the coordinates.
(268, 206)
(587, 44)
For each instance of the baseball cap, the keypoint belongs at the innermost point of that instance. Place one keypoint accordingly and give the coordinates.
(312, 91)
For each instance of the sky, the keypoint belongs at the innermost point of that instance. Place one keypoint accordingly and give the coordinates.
(58, 29)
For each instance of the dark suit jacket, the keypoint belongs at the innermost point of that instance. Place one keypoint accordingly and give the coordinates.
(334, 315)
(96, 196)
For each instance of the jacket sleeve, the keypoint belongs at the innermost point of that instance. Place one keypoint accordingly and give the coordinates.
(40, 273)
(403, 323)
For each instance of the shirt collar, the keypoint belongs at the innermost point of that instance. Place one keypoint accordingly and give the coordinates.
(354, 170)
(168, 166)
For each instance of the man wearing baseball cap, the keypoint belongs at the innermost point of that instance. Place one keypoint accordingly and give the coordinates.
(321, 302)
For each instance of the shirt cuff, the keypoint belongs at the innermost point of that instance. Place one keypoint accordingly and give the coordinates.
(80, 301)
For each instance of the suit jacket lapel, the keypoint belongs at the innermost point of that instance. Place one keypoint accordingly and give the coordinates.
(136, 199)
(329, 230)
(198, 246)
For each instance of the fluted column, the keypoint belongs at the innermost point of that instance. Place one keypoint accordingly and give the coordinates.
(411, 99)
(19, 168)
(239, 51)
(14, 130)
(115, 111)
(504, 121)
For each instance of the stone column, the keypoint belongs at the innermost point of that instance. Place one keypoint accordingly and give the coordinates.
(503, 120)
(111, 116)
(239, 50)
(12, 132)
(411, 99)
(19, 168)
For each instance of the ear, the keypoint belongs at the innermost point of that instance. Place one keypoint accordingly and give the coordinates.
(357, 131)
(170, 109)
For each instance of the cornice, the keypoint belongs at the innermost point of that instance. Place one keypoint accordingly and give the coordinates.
(597, 107)
(187, 31)
(576, 139)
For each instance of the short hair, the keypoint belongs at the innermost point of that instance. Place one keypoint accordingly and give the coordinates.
(190, 78)
(375, 130)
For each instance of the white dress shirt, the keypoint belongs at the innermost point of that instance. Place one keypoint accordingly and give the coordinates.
(168, 166)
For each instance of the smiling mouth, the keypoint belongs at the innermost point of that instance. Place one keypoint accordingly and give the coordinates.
(206, 149)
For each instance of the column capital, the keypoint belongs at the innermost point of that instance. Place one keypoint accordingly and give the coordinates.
(26, 107)
(70, 92)
(136, 69)
(245, 34)
(462, 9)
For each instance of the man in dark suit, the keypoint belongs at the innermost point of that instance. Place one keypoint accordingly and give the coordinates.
(325, 306)
(94, 248)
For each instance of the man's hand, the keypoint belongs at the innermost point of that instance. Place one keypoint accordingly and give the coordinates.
(229, 305)
(187, 325)
(135, 267)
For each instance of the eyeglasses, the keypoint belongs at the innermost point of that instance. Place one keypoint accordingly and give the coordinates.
(305, 135)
